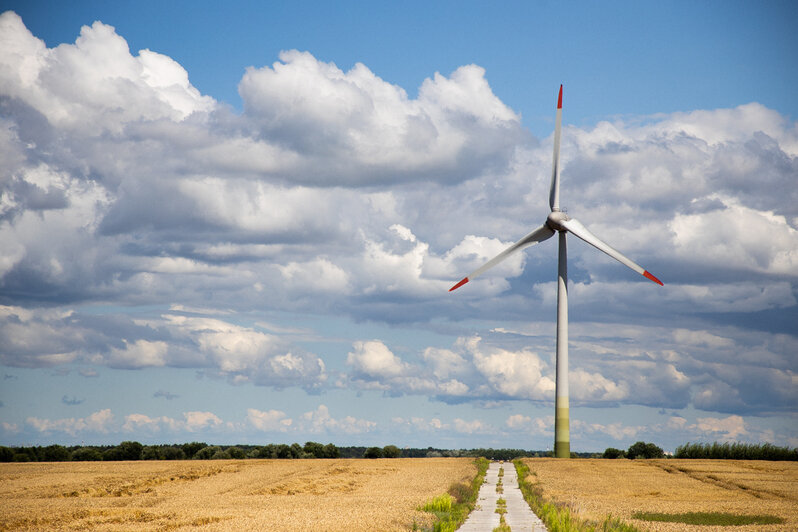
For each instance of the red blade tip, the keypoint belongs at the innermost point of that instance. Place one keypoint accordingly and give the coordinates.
(458, 285)
(559, 99)
(652, 278)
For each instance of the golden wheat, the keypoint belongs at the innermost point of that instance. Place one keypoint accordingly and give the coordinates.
(595, 489)
(226, 494)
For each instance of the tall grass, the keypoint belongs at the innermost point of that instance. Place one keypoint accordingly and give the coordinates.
(452, 508)
(558, 517)
(736, 451)
(440, 504)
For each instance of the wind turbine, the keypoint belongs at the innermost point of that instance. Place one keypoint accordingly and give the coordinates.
(558, 221)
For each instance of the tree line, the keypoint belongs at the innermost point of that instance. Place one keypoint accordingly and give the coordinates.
(736, 451)
(133, 450)
(712, 451)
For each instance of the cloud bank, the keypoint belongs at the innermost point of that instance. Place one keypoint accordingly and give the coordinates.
(334, 193)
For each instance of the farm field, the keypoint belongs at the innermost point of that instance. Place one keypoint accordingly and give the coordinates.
(597, 488)
(331, 495)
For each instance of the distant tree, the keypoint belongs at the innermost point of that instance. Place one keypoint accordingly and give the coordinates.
(373, 452)
(173, 452)
(391, 451)
(331, 451)
(236, 452)
(86, 454)
(6, 454)
(644, 450)
(296, 451)
(27, 454)
(611, 452)
(54, 453)
(206, 453)
(267, 451)
(282, 451)
(131, 450)
(127, 450)
(221, 455)
(190, 449)
(314, 449)
(151, 452)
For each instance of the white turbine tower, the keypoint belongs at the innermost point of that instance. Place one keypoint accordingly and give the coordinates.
(560, 222)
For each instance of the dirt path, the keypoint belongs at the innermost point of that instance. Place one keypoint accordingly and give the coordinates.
(518, 516)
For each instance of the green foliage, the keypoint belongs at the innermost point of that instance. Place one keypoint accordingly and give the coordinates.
(236, 453)
(221, 455)
(6, 454)
(710, 518)
(452, 508)
(460, 492)
(313, 449)
(86, 454)
(173, 452)
(736, 451)
(190, 449)
(441, 503)
(391, 451)
(373, 452)
(558, 517)
(206, 453)
(127, 450)
(282, 451)
(27, 454)
(54, 453)
(644, 450)
(151, 452)
(331, 451)
(267, 451)
(611, 452)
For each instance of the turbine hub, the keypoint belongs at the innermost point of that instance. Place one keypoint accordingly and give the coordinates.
(555, 218)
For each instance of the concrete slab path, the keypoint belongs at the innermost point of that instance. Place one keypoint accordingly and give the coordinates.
(519, 516)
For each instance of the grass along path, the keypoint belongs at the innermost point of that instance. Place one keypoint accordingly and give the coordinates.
(452, 508)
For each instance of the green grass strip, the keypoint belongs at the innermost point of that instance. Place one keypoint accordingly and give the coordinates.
(710, 518)
(451, 509)
(558, 517)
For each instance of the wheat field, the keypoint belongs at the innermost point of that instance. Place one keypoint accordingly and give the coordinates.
(296, 495)
(595, 489)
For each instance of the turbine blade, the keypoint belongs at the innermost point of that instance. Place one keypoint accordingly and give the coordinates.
(577, 229)
(554, 191)
(538, 235)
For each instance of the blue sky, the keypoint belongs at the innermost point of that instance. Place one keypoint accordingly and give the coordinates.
(240, 224)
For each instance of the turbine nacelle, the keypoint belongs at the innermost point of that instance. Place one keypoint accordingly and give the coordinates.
(555, 220)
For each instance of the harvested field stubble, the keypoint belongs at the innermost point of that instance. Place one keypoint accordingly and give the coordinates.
(595, 489)
(226, 494)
